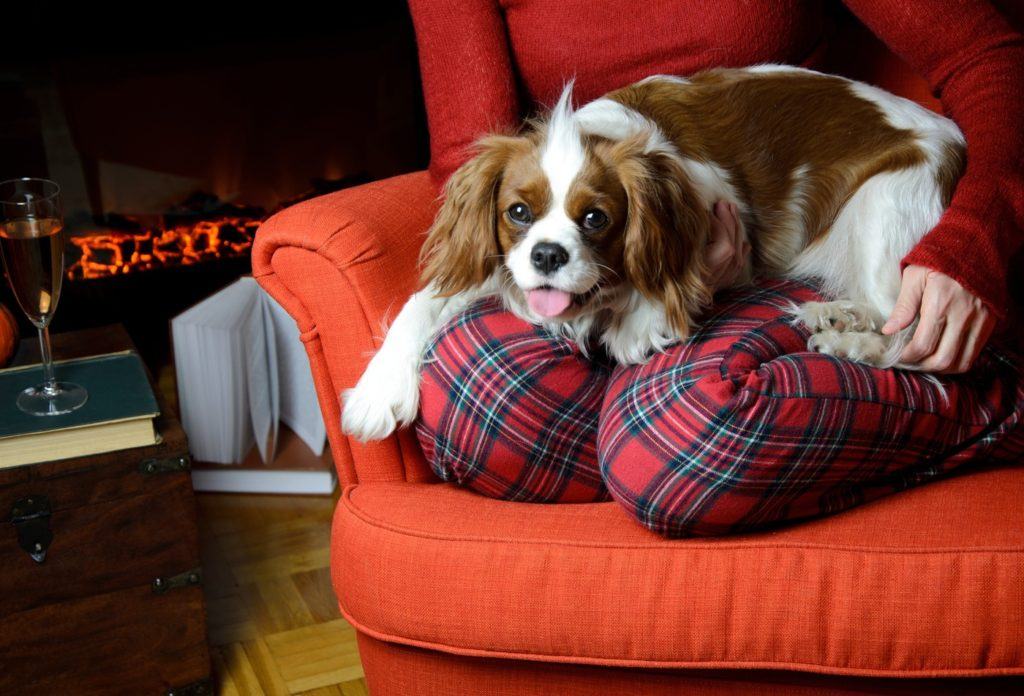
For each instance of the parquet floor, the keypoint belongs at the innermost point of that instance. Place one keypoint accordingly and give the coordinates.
(273, 619)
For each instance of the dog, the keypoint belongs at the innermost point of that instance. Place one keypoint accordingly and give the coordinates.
(594, 222)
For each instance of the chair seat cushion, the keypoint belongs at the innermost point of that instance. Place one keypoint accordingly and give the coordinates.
(928, 582)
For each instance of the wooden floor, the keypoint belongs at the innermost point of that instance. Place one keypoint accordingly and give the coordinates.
(273, 619)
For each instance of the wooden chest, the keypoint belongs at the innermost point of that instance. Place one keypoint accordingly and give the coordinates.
(100, 581)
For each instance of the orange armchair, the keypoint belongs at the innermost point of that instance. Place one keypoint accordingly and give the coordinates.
(341, 265)
(453, 593)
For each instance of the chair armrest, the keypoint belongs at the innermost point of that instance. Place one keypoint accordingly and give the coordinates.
(341, 265)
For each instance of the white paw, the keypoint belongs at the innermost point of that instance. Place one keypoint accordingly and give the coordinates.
(841, 315)
(859, 346)
(386, 397)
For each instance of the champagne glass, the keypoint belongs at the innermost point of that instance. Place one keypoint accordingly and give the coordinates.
(32, 247)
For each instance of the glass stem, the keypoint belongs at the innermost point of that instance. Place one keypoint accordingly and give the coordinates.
(49, 381)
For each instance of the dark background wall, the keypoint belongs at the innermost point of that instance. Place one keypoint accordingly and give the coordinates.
(245, 103)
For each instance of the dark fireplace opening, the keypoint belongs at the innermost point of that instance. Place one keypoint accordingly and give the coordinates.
(174, 137)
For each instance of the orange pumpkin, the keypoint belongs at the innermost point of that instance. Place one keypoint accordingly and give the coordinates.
(8, 335)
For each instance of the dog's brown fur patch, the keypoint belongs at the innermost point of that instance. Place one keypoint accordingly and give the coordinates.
(464, 245)
(794, 120)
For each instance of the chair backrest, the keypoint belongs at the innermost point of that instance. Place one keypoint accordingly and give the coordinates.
(607, 44)
(486, 64)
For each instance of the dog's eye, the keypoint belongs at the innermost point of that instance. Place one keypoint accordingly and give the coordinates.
(594, 219)
(520, 214)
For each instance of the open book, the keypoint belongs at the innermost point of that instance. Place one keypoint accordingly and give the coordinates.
(242, 370)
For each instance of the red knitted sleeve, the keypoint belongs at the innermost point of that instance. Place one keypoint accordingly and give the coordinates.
(974, 61)
(467, 77)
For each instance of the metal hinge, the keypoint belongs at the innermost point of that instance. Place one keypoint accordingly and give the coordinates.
(31, 519)
(203, 687)
(187, 579)
(165, 466)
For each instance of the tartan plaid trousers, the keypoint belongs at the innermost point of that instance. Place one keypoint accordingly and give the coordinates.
(738, 428)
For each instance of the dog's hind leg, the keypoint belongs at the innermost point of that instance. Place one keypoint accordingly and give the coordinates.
(859, 264)
(841, 315)
(862, 346)
(844, 329)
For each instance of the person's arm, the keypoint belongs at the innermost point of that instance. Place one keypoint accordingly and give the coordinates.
(955, 278)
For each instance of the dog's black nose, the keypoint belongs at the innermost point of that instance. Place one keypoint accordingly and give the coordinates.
(548, 257)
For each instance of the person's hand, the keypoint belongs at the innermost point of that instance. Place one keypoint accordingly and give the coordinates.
(955, 325)
(728, 250)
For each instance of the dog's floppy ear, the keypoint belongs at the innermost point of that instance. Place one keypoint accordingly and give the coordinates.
(667, 229)
(461, 250)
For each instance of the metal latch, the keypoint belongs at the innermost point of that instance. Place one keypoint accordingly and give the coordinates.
(31, 519)
(165, 466)
(199, 688)
(188, 578)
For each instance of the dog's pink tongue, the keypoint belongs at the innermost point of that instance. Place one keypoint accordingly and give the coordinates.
(548, 303)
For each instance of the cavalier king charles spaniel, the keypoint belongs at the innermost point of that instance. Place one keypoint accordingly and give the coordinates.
(594, 222)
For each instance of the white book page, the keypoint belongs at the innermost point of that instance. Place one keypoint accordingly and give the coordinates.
(260, 374)
(299, 407)
(271, 384)
(232, 394)
(214, 376)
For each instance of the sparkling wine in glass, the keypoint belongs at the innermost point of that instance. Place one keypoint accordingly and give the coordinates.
(32, 247)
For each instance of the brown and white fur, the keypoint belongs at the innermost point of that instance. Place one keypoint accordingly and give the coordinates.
(835, 180)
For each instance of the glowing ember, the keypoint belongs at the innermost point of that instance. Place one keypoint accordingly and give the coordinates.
(114, 252)
(225, 230)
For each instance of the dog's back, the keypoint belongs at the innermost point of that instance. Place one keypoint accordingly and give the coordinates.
(797, 145)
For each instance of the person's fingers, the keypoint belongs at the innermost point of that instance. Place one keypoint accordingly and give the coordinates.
(741, 248)
(715, 241)
(721, 234)
(926, 336)
(721, 249)
(732, 220)
(719, 258)
(908, 304)
(947, 352)
(978, 335)
(970, 348)
(742, 257)
(721, 211)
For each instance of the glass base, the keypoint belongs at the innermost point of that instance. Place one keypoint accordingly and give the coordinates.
(67, 397)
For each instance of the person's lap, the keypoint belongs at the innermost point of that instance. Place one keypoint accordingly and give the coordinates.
(511, 411)
(737, 428)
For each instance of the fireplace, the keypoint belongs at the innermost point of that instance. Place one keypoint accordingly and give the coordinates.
(174, 138)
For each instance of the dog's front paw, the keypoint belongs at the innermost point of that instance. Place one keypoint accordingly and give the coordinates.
(841, 315)
(859, 346)
(380, 403)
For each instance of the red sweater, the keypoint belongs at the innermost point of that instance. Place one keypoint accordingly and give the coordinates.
(485, 64)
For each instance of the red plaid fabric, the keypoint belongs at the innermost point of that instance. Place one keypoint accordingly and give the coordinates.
(741, 427)
(510, 410)
(736, 429)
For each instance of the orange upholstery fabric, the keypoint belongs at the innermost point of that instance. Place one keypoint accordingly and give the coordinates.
(393, 669)
(341, 265)
(926, 583)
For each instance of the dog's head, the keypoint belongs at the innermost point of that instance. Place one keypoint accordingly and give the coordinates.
(569, 218)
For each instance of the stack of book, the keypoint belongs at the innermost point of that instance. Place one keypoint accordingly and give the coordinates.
(118, 415)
